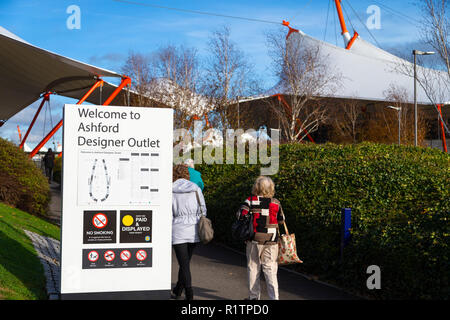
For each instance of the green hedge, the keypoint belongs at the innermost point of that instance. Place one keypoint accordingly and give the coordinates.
(22, 184)
(400, 201)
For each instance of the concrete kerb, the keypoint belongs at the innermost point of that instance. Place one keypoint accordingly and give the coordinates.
(48, 251)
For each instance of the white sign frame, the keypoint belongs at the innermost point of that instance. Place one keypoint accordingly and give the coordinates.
(136, 134)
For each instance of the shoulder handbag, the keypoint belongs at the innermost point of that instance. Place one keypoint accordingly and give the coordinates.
(242, 228)
(287, 249)
(205, 229)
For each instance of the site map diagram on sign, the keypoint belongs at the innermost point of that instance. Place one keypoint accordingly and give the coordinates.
(118, 177)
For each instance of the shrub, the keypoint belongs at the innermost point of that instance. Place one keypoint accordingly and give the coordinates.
(400, 201)
(22, 184)
(57, 170)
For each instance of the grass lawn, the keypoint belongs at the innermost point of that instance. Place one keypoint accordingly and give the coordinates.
(21, 273)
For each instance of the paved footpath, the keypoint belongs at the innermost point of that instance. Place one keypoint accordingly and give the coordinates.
(220, 273)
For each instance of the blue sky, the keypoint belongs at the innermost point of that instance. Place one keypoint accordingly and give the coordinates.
(111, 29)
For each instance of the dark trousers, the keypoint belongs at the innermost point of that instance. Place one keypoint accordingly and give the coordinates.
(48, 173)
(183, 252)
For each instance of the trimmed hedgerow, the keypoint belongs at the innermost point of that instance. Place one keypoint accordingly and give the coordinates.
(400, 201)
(22, 184)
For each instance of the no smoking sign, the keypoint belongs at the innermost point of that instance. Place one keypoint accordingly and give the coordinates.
(100, 220)
(99, 226)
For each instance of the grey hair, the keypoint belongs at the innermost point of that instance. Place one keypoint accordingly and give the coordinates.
(189, 163)
(264, 187)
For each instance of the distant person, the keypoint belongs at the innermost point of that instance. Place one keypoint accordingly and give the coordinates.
(262, 249)
(195, 176)
(188, 205)
(49, 161)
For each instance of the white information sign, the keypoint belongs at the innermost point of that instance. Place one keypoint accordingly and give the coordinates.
(117, 200)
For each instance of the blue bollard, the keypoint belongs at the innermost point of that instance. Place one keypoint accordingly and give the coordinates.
(346, 217)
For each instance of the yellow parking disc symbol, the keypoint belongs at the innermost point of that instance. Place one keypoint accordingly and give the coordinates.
(127, 220)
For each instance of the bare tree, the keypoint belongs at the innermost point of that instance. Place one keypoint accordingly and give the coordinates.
(138, 68)
(398, 96)
(435, 28)
(346, 121)
(435, 32)
(382, 123)
(168, 77)
(228, 76)
(304, 77)
(178, 82)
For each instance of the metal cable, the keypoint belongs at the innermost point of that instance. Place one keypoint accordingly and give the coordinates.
(326, 23)
(51, 120)
(301, 9)
(196, 11)
(356, 14)
(408, 19)
(335, 26)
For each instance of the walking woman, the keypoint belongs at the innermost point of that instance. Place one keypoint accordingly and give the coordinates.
(188, 205)
(49, 160)
(262, 250)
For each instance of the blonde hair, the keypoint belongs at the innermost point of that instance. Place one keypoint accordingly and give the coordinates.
(263, 187)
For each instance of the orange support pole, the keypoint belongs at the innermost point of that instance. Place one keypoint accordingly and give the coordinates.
(444, 142)
(341, 16)
(123, 83)
(44, 141)
(20, 134)
(353, 39)
(286, 23)
(87, 94)
(46, 98)
(56, 128)
(345, 32)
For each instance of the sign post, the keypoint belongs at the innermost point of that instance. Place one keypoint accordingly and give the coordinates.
(346, 218)
(117, 202)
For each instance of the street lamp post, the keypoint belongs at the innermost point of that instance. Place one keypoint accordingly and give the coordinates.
(415, 53)
(399, 110)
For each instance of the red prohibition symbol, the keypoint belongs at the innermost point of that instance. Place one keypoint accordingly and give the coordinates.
(141, 255)
(93, 256)
(100, 220)
(125, 255)
(109, 255)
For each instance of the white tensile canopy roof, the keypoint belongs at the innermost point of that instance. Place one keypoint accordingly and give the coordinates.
(27, 148)
(27, 72)
(58, 147)
(367, 72)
